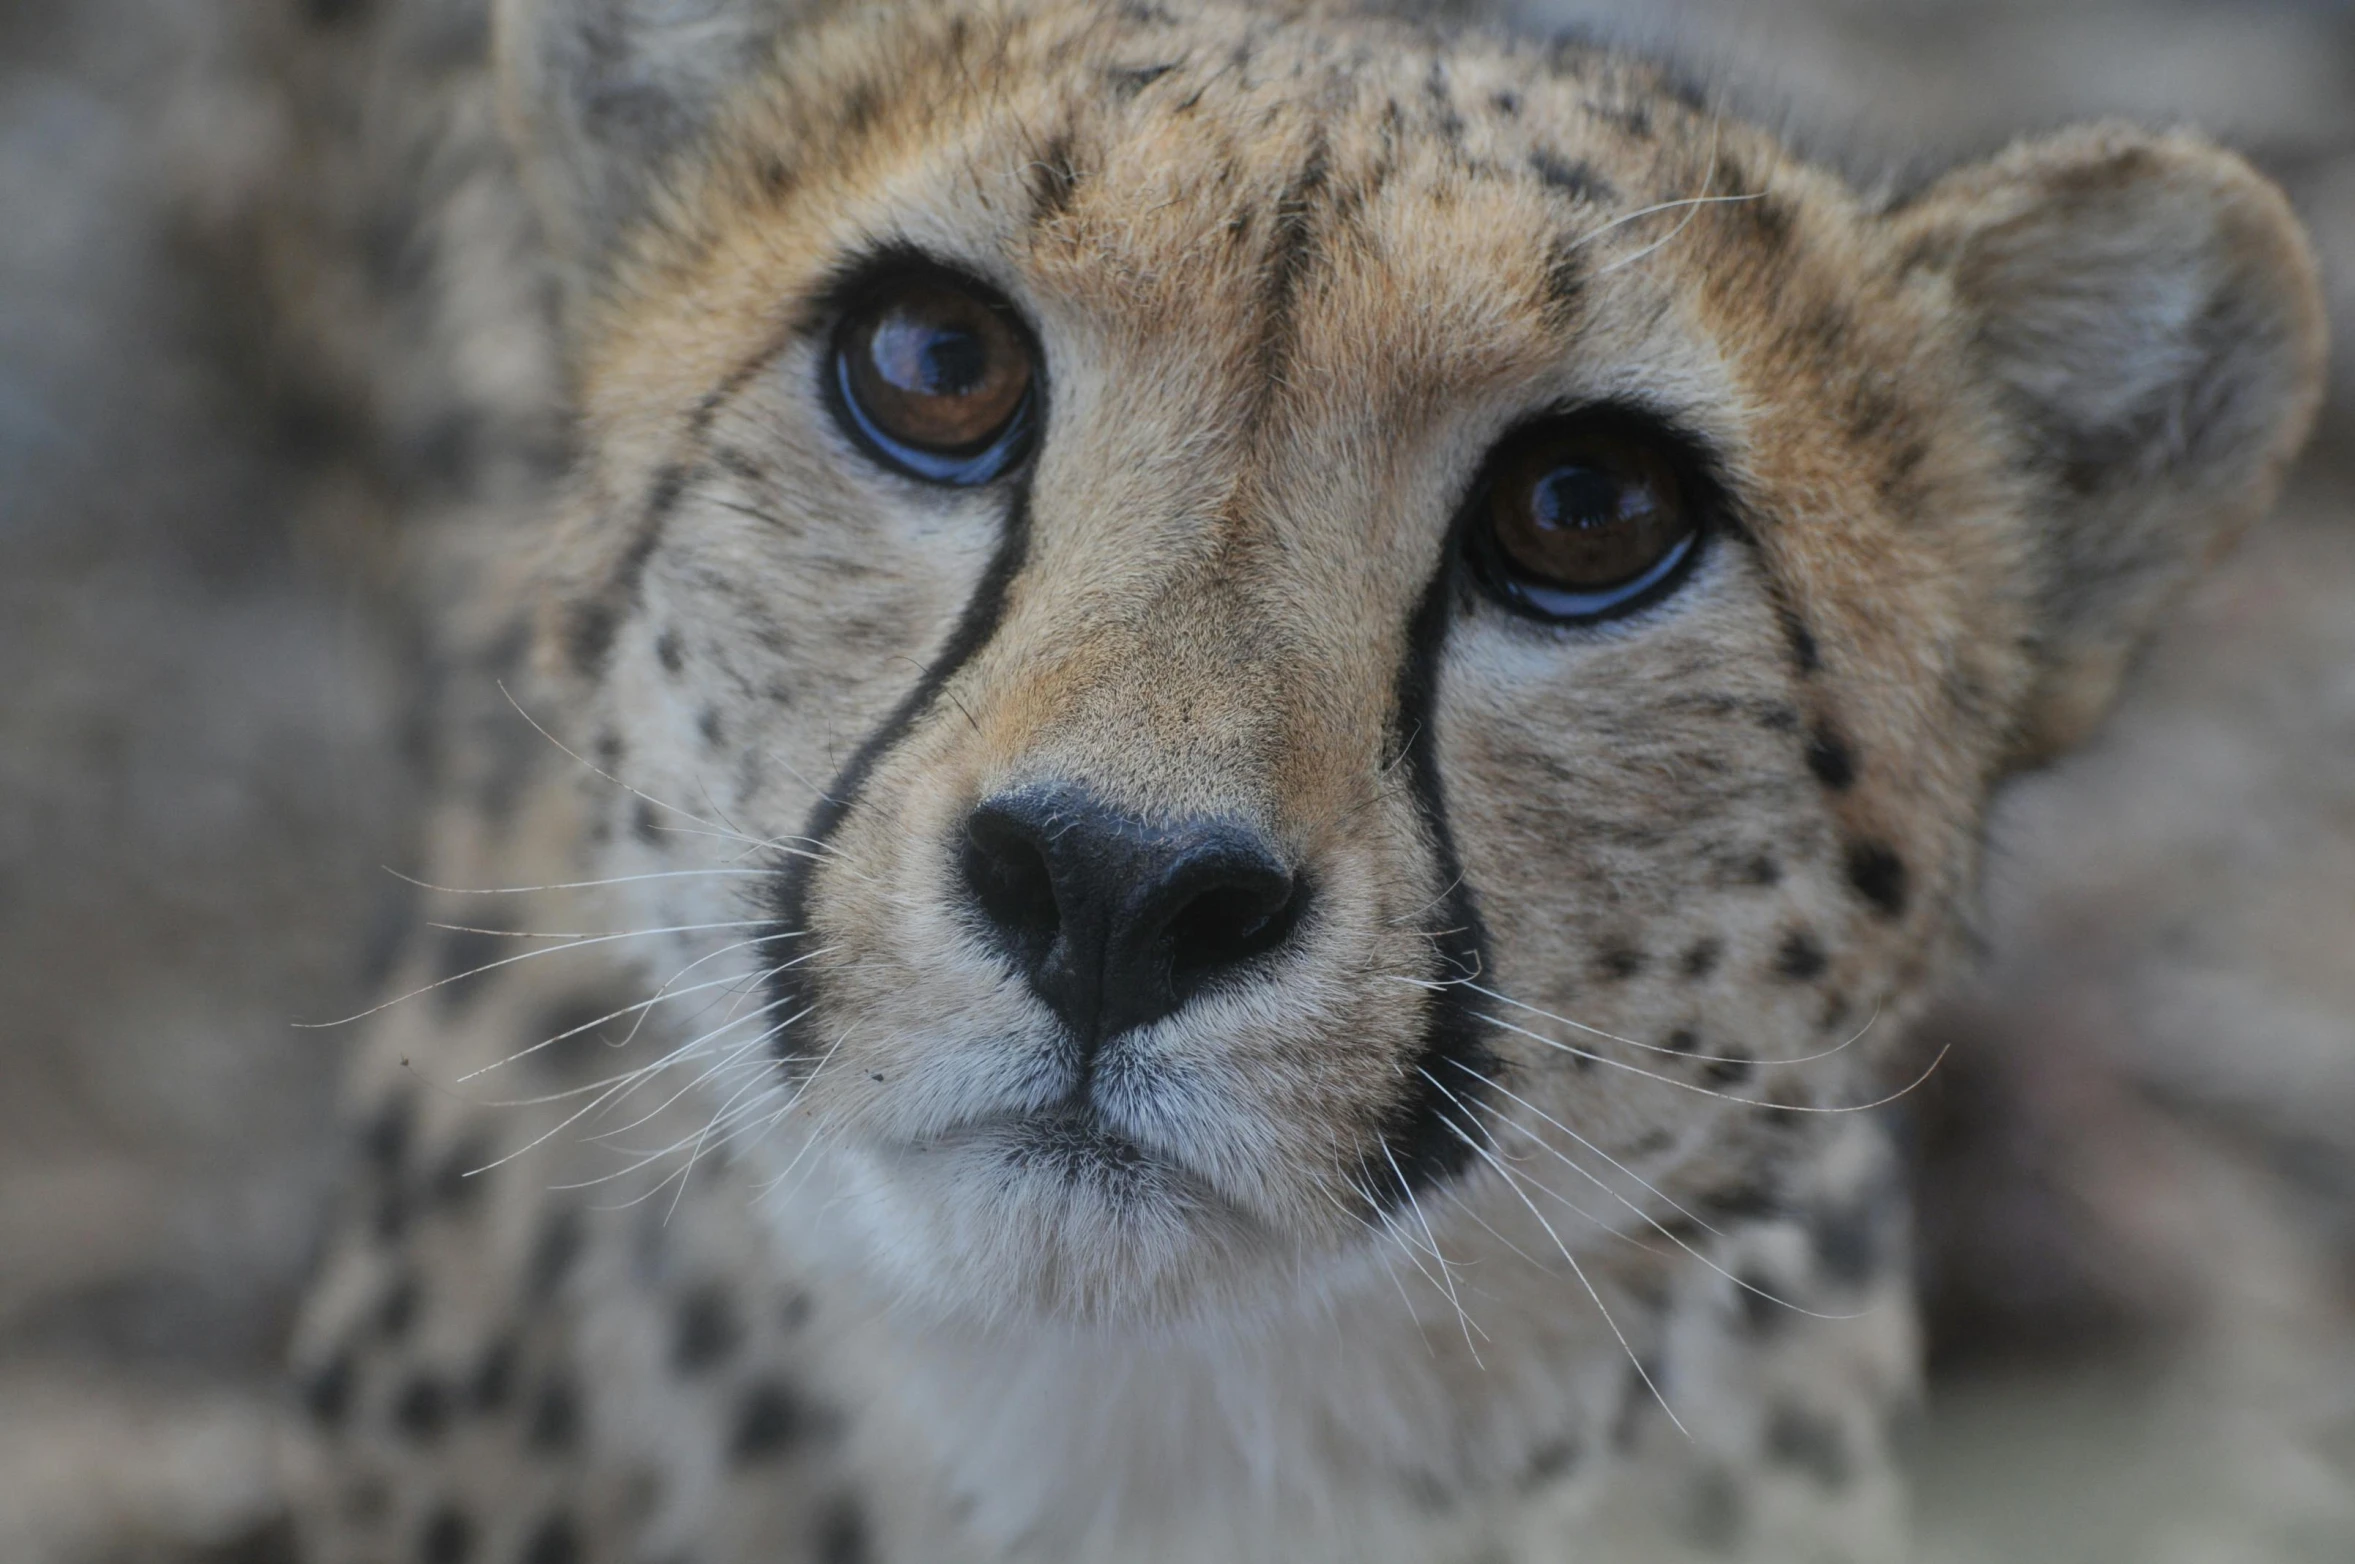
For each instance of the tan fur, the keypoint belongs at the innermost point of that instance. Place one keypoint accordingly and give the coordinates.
(1293, 274)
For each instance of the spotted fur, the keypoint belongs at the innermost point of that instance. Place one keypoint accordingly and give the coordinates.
(1527, 1205)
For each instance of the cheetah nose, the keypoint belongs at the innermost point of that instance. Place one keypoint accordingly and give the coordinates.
(1117, 921)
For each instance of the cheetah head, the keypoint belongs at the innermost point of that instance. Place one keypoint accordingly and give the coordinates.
(1298, 637)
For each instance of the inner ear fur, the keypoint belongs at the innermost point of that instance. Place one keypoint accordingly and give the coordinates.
(2146, 311)
(602, 95)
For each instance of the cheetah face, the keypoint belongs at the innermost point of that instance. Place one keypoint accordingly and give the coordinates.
(1310, 639)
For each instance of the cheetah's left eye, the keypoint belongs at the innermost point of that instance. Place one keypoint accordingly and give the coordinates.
(934, 377)
(1582, 517)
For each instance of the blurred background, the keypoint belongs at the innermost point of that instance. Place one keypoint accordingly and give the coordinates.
(219, 716)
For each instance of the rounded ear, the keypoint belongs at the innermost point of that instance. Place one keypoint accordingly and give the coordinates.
(600, 95)
(2147, 314)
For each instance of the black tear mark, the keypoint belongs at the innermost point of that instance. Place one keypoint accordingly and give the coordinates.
(1799, 958)
(1879, 877)
(1809, 1442)
(794, 985)
(1427, 1128)
(1576, 179)
(1828, 756)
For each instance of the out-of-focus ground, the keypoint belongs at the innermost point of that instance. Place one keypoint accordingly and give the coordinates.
(2139, 1186)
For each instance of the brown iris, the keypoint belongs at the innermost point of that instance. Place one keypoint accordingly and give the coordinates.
(1582, 517)
(937, 378)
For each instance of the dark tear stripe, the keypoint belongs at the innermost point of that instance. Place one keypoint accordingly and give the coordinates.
(1455, 1047)
(793, 988)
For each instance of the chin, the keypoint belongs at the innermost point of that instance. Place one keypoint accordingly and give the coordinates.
(1055, 1218)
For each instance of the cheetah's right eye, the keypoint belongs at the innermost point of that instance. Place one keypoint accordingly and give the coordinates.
(935, 379)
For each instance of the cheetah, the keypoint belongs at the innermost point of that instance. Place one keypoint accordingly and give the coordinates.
(1221, 783)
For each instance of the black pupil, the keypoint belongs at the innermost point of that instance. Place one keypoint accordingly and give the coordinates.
(931, 360)
(1576, 499)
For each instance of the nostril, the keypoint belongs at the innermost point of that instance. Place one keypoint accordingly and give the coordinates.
(1009, 876)
(1246, 915)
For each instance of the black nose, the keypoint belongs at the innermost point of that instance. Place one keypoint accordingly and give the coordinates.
(1118, 921)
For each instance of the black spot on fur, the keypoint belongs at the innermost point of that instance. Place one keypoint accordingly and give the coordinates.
(555, 1423)
(645, 824)
(554, 1253)
(448, 1538)
(464, 953)
(553, 1541)
(1684, 1040)
(1828, 756)
(704, 1332)
(397, 1310)
(1565, 281)
(589, 624)
(1756, 1296)
(327, 1390)
(1762, 870)
(1506, 103)
(333, 13)
(1128, 81)
(1619, 961)
(1742, 1202)
(493, 1380)
(776, 177)
(842, 1533)
(1804, 651)
(422, 1410)
(384, 1138)
(1701, 959)
(770, 1420)
(1848, 1242)
(1730, 1070)
(1809, 1442)
(454, 1187)
(794, 1312)
(1634, 117)
(670, 651)
(1799, 958)
(610, 750)
(1577, 179)
(1835, 1011)
(1053, 181)
(707, 723)
(1549, 1463)
(1879, 877)
(1713, 1511)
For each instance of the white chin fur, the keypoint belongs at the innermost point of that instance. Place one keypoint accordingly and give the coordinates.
(1030, 1219)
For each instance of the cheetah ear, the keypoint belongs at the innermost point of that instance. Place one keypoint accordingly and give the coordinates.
(600, 95)
(2146, 311)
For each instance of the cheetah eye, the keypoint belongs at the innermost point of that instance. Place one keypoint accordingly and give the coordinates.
(1582, 517)
(934, 378)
